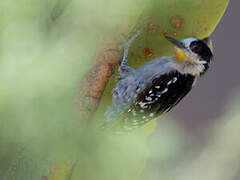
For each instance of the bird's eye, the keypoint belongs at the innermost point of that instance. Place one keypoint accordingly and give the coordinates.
(196, 49)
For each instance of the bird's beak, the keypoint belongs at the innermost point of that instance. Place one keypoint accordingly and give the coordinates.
(176, 42)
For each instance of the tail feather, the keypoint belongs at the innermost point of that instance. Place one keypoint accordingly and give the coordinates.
(110, 118)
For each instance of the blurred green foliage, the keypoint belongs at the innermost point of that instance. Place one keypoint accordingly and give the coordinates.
(215, 159)
(46, 47)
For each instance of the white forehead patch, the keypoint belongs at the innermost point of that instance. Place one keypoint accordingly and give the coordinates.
(188, 41)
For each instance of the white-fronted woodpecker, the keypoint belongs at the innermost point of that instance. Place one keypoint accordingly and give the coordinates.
(144, 93)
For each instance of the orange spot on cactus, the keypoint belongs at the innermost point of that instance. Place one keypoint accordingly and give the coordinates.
(165, 32)
(175, 34)
(148, 52)
(177, 22)
(152, 28)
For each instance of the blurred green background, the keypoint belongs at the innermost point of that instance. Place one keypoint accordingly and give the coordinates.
(43, 58)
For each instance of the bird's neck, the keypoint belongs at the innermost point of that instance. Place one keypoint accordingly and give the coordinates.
(188, 64)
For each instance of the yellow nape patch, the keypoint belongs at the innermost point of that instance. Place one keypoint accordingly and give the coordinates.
(181, 55)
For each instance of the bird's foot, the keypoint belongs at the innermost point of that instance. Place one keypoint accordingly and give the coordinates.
(126, 44)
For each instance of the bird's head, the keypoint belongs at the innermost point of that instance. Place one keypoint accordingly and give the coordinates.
(194, 51)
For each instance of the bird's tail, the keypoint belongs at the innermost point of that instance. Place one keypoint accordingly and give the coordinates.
(110, 117)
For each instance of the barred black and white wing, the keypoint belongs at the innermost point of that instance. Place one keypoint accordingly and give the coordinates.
(159, 96)
(156, 97)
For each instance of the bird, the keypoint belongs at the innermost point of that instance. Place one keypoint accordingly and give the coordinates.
(157, 86)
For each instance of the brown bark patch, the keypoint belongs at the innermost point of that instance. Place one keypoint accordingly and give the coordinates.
(94, 84)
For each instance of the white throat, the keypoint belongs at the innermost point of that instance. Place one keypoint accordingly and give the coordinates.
(189, 67)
